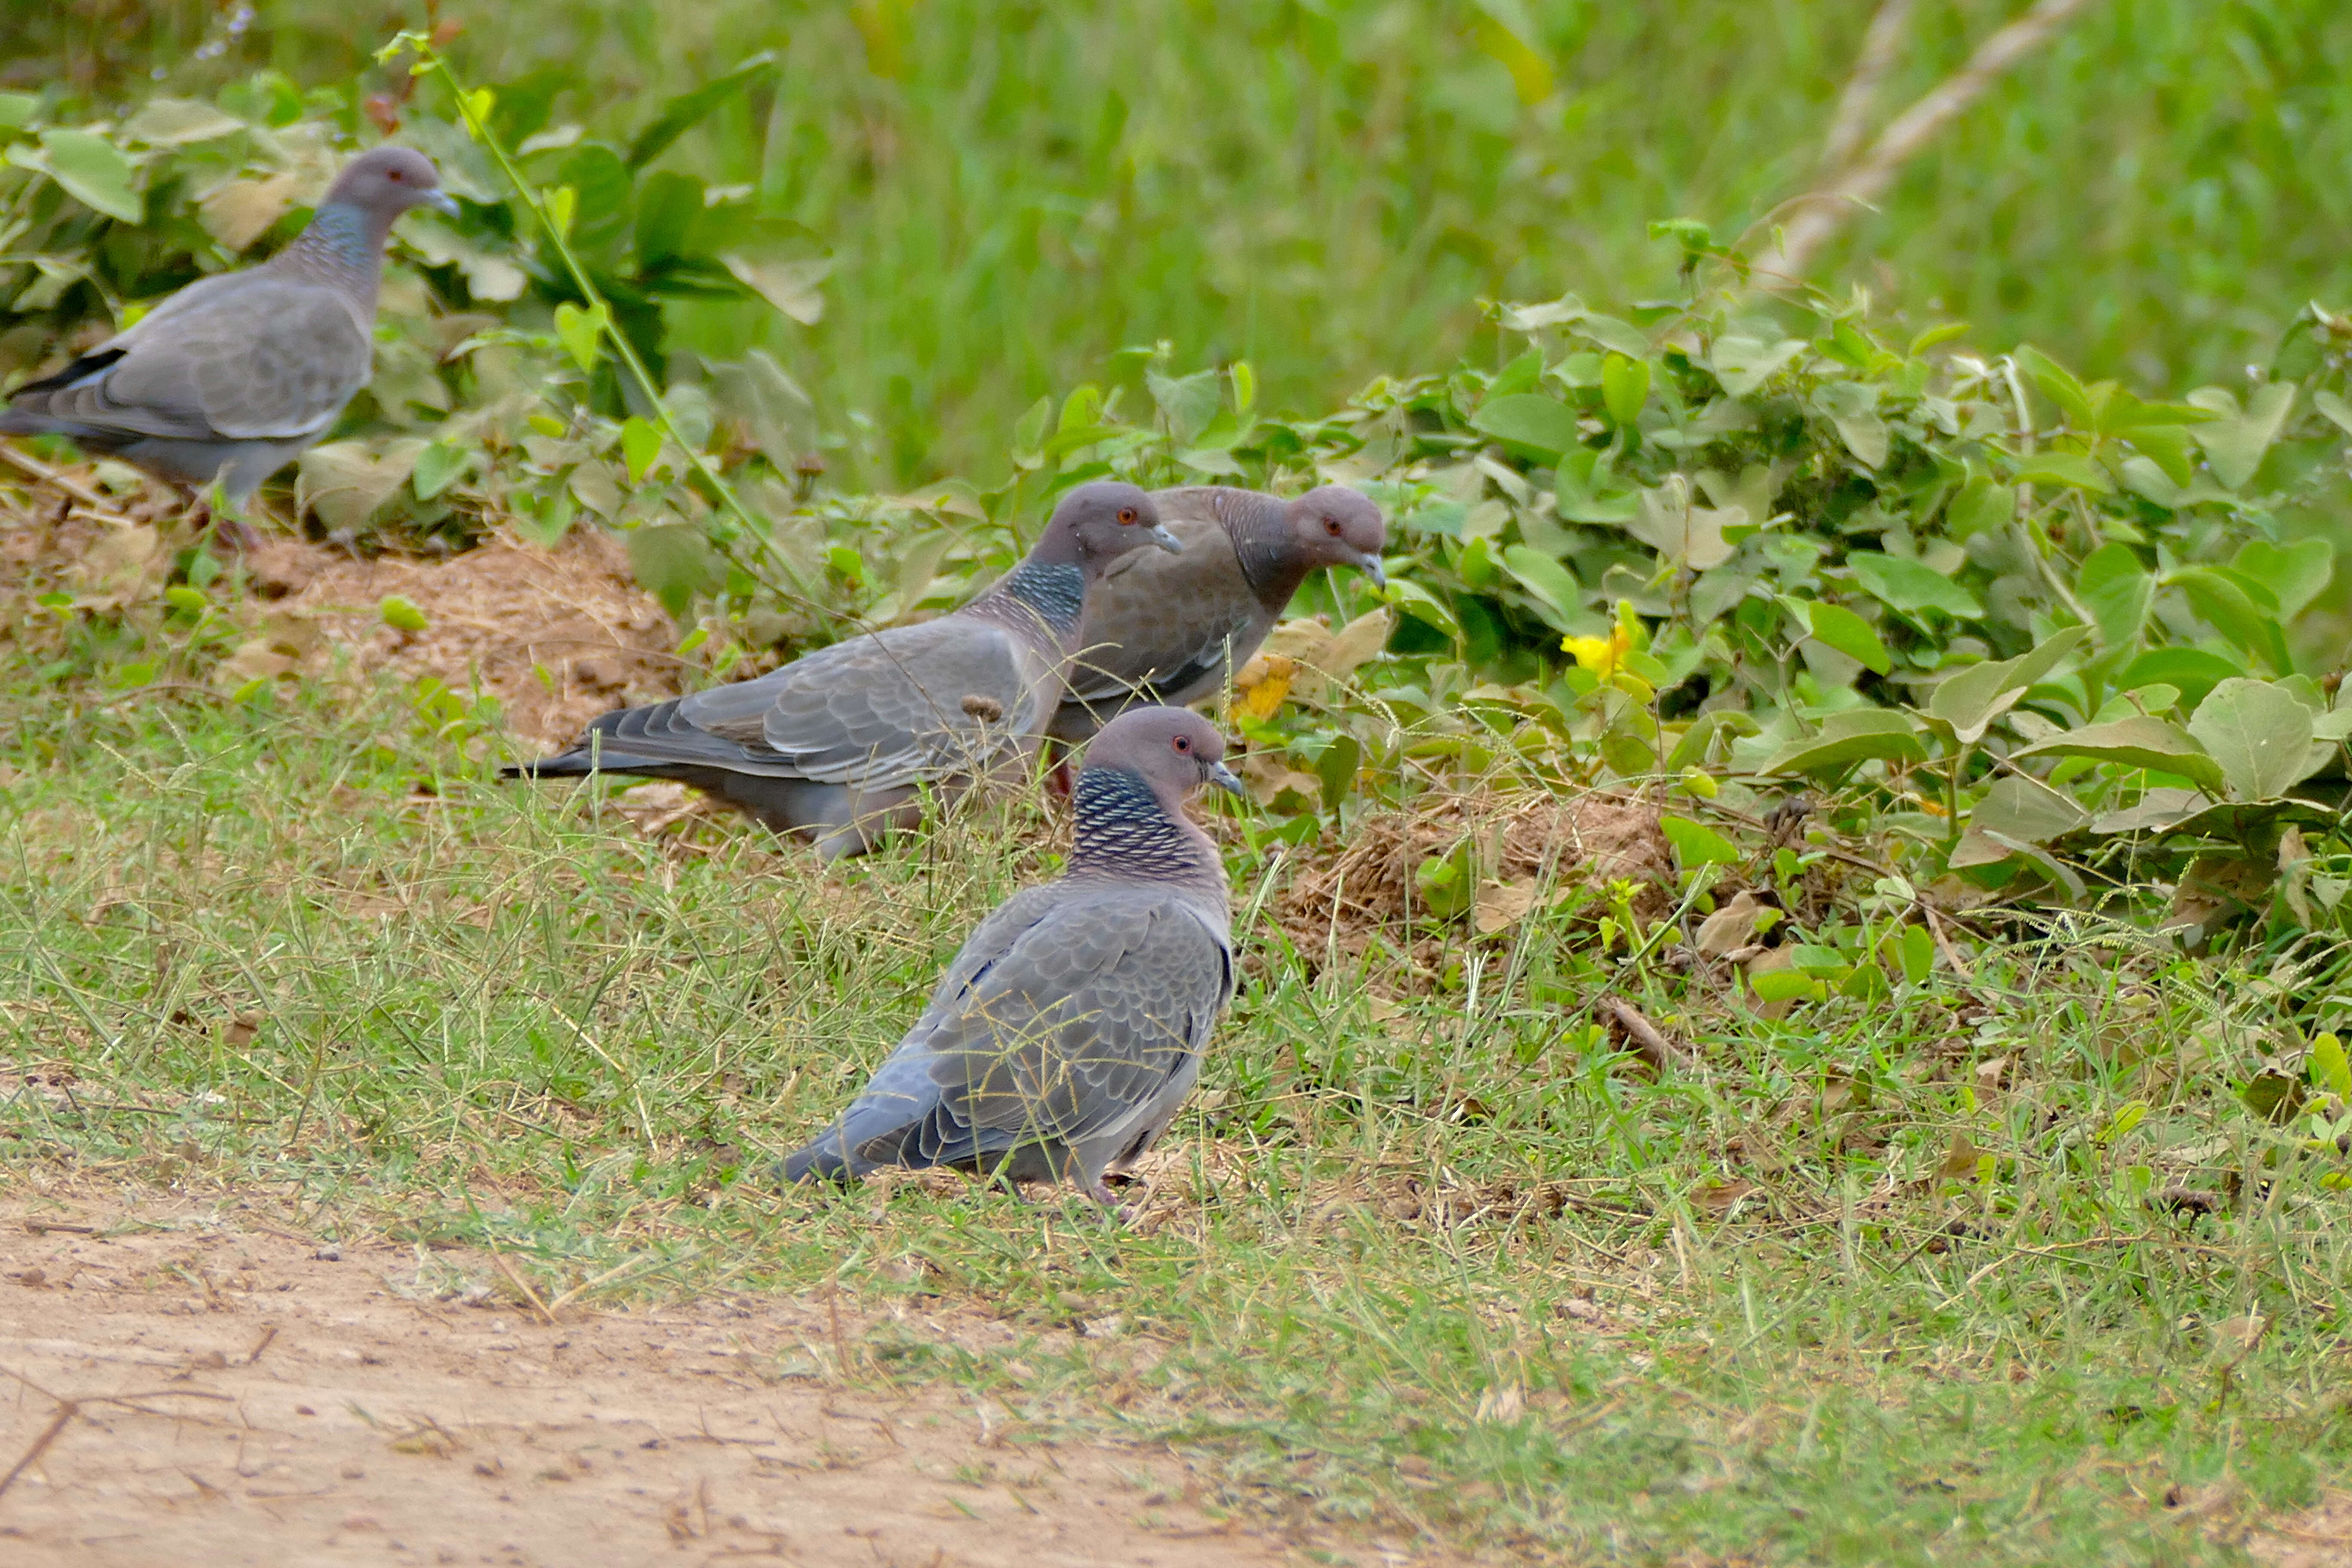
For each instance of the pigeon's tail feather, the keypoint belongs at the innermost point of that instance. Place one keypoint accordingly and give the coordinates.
(826, 1158)
(87, 364)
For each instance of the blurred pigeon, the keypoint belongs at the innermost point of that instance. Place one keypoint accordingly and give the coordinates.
(1068, 1030)
(836, 744)
(1167, 631)
(233, 375)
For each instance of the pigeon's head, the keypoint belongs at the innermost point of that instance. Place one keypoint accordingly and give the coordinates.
(1174, 749)
(1335, 526)
(385, 182)
(1095, 524)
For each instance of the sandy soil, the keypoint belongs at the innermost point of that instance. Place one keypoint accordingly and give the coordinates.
(184, 1391)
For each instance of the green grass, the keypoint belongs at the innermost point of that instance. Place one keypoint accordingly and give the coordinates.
(247, 955)
(1015, 191)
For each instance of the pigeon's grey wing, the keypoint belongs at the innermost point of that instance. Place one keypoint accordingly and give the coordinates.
(1163, 625)
(899, 706)
(1083, 1020)
(258, 358)
(899, 1118)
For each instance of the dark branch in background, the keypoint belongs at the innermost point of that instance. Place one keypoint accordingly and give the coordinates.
(1821, 213)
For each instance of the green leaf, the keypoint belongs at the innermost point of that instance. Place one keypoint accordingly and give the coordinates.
(178, 122)
(1696, 844)
(1029, 434)
(1188, 402)
(2193, 671)
(439, 466)
(1624, 387)
(1854, 736)
(2070, 470)
(2223, 600)
(2259, 735)
(640, 445)
(2170, 449)
(1338, 767)
(690, 109)
(1972, 699)
(1504, 32)
(1542, 425)
(94, 172)
(1901, 584)
(1853, 408)
(1742, 364)
(2237, 439)
(2337, 412)
(1554, 586)
(1782, 985)
(2294, 573)
(2117, 590)
(1836, 627)
(2059, 386)
(1981, 506)
(674, 562)
(400, 615)
(2330, 1070)
(603, 198)
(2136, 744)
(582, 333)
(2024, 808)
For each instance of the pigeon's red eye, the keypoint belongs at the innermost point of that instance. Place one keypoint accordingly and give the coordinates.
(1183, 743)
(1126, 514)
(1331, 526)
(395, 175)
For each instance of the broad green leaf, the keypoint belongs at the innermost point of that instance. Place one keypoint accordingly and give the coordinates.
(2137, 744)
(640, 445)
(1981, 506)
(2058, 384)
(603, 199)
(1902, 584)
(1618, 337)
(2021, 808)
(94, 172)
(1624, 387)
(2117, 590)
(1696, 844)
(1840, 628)
(1853, 408)
(674, 562)
(1541, 424)
(2259, 734)
(439, 466)
(2190, 670)
(2222, 599)
(1742, 364)
(689, 109)
(777, 415)
(1967, 702)
(2294, 573)
(1338, 767)
(1844, 739)
(2337, 411)
(2070, 470)
(2235, 441)
(1782, 985)
(2330, 1068)
(1555, 588)
(400, 615)
(1423, 605)
(345, 481)
(2169, 447)
(1673, 523)
(178, 122)
(1029, 434)
(1187, 402)
(582, 333)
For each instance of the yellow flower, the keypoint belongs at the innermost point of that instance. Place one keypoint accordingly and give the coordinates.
(1604, 657)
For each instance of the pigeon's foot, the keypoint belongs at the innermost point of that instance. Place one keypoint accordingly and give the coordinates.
(1107, 1201)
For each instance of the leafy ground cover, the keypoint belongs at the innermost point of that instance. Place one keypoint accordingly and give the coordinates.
(1795, 953)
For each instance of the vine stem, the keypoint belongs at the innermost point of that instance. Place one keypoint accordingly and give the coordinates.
(431, 62)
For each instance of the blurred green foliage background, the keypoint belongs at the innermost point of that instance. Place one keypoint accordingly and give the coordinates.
(1328, 189)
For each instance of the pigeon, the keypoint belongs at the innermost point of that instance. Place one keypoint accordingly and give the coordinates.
(230, 378)
(1167, 631)
(1069, 1028)
(836, 746)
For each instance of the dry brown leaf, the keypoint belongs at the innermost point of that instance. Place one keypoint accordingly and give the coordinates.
(241, 211)
(1731, 927)
(1501, 905)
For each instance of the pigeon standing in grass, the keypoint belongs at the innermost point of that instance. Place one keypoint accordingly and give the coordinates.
(837, 744)
(1068, 1030)
(231, 377)
(1167, 631)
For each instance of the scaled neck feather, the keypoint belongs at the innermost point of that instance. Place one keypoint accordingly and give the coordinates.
(1125, 831)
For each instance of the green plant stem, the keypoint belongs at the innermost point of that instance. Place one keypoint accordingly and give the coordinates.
(429, 61)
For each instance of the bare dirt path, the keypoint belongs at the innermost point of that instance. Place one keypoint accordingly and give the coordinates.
(206, 1393)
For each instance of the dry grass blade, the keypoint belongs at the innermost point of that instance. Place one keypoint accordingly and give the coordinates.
(1649, 1042)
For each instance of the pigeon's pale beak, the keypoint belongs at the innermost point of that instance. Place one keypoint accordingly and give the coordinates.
(1369, 565)
(441, 201)
(1165, 540)
(1224, 778)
